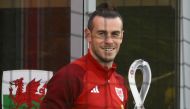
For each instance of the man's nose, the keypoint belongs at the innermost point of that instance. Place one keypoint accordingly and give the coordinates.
(108, 39)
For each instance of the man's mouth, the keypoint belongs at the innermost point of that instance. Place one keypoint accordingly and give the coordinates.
(108, 49)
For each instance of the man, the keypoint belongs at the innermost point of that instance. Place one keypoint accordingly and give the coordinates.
(91, 82)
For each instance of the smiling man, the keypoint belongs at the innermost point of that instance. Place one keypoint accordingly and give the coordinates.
(91, 82)
(105, 38)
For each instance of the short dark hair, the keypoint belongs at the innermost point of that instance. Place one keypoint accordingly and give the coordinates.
(105, 10)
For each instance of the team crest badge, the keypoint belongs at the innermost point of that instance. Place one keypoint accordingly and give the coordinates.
(24, 89)
(119, 93)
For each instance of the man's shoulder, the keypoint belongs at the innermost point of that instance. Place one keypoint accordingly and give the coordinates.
(119, 77)
(74, 68)
(71, 69)
(69, 73)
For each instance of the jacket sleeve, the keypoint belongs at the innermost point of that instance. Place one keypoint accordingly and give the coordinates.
(63, 89)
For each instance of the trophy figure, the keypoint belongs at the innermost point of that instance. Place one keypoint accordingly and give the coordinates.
(139, 98)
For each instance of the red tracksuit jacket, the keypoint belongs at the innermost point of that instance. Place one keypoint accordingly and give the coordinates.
(85, 84)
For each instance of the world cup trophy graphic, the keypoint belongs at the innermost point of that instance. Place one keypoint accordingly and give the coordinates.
(139, 98)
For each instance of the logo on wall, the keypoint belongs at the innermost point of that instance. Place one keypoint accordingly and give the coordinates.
(24, 89)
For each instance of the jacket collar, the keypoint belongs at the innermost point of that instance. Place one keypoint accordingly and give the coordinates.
(95, 66)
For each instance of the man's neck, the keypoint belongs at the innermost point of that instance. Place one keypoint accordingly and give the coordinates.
(103, 64)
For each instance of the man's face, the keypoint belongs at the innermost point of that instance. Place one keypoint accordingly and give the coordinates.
(105, 38)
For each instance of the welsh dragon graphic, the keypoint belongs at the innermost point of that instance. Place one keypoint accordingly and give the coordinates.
(31, 93)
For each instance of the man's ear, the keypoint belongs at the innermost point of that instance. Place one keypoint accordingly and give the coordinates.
(87, 34)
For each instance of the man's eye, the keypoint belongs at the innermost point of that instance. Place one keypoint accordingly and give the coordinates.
(101, 33)
(116, 35)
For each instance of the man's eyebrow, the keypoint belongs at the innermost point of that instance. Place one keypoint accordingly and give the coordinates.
(117, 31)
(104, 31)
(101, 31)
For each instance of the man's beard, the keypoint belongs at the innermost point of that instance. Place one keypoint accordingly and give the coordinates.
(103, 59)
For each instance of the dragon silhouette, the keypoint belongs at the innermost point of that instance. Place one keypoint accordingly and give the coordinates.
(29, 95)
